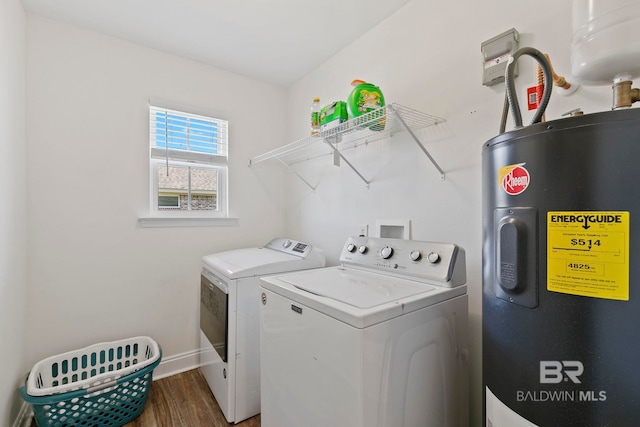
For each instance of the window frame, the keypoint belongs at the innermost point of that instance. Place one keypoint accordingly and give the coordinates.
(221, 195)
(192, 159)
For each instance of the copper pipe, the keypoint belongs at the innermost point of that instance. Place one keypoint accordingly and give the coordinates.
(559, 81)
(540, 86)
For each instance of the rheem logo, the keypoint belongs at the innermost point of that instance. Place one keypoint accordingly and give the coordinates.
(555, 372)
(514, 179)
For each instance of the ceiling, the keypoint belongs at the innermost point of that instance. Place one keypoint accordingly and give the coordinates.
(277, 41)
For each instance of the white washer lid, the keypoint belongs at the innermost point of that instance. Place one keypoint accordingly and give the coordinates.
(359, 289)
(256, 261)
(357, 297)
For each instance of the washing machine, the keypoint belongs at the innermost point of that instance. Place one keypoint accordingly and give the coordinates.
(229, 318)
(378, 341)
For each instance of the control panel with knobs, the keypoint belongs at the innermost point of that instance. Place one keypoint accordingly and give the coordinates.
(290, 246)
(441, 262)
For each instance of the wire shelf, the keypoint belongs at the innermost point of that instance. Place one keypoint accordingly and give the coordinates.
(372, 126)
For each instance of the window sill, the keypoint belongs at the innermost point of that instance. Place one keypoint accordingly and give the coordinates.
(157, 221)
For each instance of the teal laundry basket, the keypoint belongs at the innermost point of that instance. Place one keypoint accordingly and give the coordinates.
(105, 384)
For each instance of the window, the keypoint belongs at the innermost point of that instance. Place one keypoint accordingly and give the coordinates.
(188, 159)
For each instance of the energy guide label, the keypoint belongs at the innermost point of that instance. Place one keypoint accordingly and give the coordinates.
(588, 254)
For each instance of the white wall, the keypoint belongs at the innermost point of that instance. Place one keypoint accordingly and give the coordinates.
(94, 273)
(13, 229)
(427, 56)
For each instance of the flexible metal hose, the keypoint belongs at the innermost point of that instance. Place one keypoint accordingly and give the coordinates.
(511, 99)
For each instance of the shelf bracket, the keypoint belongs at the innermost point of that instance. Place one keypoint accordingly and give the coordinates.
(296, 173)
(335, 149)
(416, 139)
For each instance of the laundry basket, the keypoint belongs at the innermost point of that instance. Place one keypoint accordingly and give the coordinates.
(105, 384)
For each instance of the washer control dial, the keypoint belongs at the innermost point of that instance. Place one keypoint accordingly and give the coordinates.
(351, 247)
(286, 243)
(362, 249)
(415, 255)
(386, 252)
(433, 257)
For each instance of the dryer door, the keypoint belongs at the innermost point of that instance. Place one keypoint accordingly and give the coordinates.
(214, 307)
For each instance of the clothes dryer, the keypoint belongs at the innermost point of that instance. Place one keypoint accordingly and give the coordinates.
(229, 318)
(379, 341)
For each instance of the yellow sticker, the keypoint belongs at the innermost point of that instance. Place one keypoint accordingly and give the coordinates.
(588, 254)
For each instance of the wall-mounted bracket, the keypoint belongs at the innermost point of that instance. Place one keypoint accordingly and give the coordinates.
(367, 128)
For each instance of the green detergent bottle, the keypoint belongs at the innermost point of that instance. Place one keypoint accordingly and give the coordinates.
(364, 98)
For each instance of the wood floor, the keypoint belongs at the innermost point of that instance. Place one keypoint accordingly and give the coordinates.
(183, 400)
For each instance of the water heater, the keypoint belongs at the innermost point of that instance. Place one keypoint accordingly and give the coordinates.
(561, 277)
(561, 249)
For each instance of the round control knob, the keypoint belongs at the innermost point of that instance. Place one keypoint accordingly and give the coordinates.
(286, 243)
(351, 247)
(415, 255)
(362, 249)
(433, 257)
(386, 252)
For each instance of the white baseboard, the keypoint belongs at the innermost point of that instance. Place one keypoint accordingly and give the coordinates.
(24, 416)
(178, 363)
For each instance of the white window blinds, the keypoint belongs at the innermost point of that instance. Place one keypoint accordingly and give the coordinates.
(179, 136)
